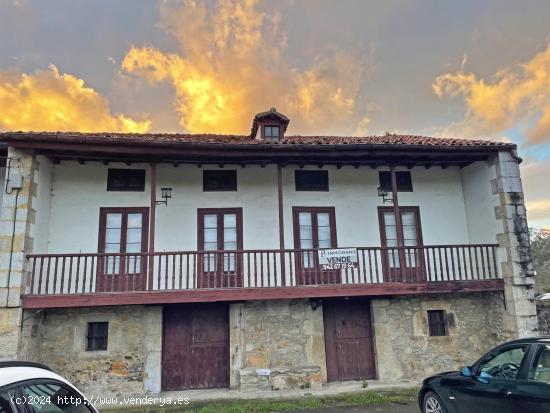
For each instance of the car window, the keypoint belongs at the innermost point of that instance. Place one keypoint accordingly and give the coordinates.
(8, 404)
(49, 397)
(5, 406)
(503, 363)
(540, 369)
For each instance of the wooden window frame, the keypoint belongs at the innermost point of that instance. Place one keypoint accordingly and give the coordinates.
(309, 276)
(213, 188)
(271, 138)
(413, 209)
(139, 173)
(310, 188)
(92, 338)
(408, 273)
(215, 279)
(437, 323)
(102, 281)
(388, 187)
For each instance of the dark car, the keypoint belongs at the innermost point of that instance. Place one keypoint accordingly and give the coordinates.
(513, 377)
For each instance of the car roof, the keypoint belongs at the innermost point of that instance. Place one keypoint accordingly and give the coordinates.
(529, 340)
(10, 374)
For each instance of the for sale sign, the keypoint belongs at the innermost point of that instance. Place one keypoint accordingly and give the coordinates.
(338, 258)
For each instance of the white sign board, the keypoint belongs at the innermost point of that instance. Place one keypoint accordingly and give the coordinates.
(338, 258)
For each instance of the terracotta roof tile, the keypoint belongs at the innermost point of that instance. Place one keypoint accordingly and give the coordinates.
(176, 138)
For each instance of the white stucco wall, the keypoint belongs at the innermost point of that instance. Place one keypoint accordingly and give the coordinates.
(78, 193)
(80, 190)
(2, 182)
(40, 230)
(353, 193)
(479, 202)
(256, 194)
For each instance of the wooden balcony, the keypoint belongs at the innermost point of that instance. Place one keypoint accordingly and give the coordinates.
(73, 280)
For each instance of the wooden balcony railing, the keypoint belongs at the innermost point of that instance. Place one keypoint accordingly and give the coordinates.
(69, 274)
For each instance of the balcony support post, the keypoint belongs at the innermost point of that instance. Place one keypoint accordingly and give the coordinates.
(281, 221)
(398, 223)
(152, 220)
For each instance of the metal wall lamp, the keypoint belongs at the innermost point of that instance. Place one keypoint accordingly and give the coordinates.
(383, 193)
(166, 194)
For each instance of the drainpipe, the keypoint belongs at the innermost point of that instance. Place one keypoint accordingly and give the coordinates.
(16, 185)
(11, 245)
(281, 222)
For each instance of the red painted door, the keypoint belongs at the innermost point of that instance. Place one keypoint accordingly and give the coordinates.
(220, 230)
(122, 233)
(406, 264)
(195, 347)
(348, 340)
(314, 228)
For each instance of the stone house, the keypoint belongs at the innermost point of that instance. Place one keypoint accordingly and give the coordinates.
(141, 263)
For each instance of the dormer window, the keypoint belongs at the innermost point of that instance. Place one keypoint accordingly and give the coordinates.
(272, 133)
(269, 127)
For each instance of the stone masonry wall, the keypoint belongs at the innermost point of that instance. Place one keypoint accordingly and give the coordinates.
(517, 264)
(12, 262)
(404, 348)
(543, 314)
(130, 365)
(276, 345)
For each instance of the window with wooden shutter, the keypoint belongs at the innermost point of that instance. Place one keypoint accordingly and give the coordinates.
(403, 180)
(311, 180)
(219, 181)
(436, 323)
(126, 180)
(97, 336)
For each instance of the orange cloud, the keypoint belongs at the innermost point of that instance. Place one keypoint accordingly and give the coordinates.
(48, 100)
(231, 65)
(511, 96)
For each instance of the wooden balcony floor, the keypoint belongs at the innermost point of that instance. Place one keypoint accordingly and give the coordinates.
(263, 293)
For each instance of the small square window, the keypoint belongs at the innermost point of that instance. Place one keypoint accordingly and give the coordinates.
(436, 323)
(126, 180)
(311, 180)
(97, 336)
(219, 181)
(272, 133)
(403, 178)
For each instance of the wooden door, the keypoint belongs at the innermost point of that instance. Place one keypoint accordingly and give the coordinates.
(195, 347)
(122, 230)
(348, 340)
(405, 264)
(314, 228)
(220, 230)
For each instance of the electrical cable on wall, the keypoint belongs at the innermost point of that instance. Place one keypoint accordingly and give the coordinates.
(17, 185)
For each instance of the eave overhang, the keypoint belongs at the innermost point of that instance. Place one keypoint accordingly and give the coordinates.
(60, 147)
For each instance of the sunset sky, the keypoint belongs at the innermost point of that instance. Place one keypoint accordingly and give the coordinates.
(477, 68)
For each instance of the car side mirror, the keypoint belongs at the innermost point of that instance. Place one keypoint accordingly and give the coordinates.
(466, 371)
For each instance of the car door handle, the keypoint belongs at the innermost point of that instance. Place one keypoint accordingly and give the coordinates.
(506, 392)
